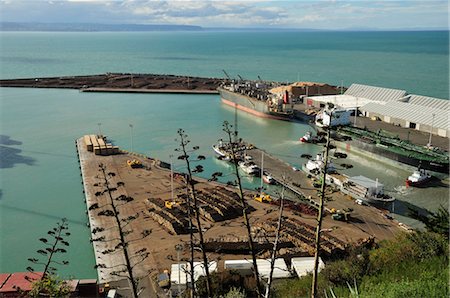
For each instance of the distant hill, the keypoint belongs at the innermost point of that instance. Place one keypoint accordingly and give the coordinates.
(91, 27)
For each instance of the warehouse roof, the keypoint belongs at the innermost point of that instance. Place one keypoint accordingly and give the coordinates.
(375, 93)
(280, 269)
(305, 265)
(411, 112)
(430, 102)
(342, 100)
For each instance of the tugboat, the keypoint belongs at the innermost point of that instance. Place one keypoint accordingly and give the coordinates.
(267, 178)
(306, 138)
(418, 178)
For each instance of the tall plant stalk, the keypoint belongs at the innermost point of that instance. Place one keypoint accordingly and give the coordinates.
(123, 243)
(185, 156)
(275, 245)
(320, 218)
(227, 130)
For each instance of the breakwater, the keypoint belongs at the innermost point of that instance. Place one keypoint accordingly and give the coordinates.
(123, 82)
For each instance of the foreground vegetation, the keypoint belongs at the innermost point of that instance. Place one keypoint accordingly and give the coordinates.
(411, 265)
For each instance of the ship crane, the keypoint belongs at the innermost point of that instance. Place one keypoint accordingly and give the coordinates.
(240, 78)
(226, 74)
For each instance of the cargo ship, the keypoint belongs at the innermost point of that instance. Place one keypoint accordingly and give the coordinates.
(392, 148)
(257, 101)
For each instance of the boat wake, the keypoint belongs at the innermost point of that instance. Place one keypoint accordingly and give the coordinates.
(402, 190)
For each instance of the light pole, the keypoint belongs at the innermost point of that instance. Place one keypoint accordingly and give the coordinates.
(431, 130)
(171, 177)
(99, 128)
(179, 248)
(131, 136)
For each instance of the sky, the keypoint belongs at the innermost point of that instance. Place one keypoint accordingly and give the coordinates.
(315, 14)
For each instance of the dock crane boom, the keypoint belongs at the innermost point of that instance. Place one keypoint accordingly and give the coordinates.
(226, 74)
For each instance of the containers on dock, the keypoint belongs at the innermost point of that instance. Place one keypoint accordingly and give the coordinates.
(98, 145)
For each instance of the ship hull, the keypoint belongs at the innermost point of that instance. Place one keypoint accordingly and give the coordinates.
(363, 147)
(247, 104)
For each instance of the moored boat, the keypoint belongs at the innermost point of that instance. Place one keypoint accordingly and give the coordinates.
(249, 168)
(267, 178)
(418, 178)
(306, 138)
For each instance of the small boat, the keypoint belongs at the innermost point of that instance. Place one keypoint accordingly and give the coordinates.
(317, 164)
(267, 178)
(249, 167)
(418, 177)
(307, 138)
(219, 149)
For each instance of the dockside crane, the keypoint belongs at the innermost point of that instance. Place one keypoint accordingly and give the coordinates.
(226, 74)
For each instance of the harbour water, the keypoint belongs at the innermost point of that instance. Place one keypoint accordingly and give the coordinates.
(40, 179)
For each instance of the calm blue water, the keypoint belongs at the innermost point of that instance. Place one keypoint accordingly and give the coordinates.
(40, 179)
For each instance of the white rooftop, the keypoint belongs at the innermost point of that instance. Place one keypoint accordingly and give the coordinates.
(179, 272)
(305, 265)
(280, 268)
(375, 93)
(420, 114)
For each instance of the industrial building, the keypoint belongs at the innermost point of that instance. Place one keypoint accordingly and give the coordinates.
(393, 106)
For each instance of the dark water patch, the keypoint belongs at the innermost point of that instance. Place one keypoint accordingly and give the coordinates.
(177, 58)
(1, 194)
(6, 140)
(9, 157)
(33, 212)
(50, 154)
(30, 60)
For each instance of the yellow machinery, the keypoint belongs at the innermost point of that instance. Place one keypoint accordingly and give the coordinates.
(263, 198)
(171, 204)
(134, 163)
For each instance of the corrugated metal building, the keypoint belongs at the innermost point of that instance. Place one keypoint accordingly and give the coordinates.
(393, 106)
(431, 114)
(357, 96)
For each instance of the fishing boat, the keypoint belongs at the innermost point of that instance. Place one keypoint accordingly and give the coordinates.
(219, 149)
(418, 178)
(249, 168)
(306, 138)
(267, 178)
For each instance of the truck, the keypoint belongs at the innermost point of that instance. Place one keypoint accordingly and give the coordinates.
(263, 198)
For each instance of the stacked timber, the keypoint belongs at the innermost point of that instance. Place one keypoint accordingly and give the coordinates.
(98, 145)
(302, 235)
(173, 220)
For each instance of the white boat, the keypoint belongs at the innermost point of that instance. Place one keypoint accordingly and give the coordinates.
(219, 149)
(267, 178)
(317, 164)
(306, 138)
(249, 167)
(418, 177)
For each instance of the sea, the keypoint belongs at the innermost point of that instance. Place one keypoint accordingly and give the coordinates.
(39, 171)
